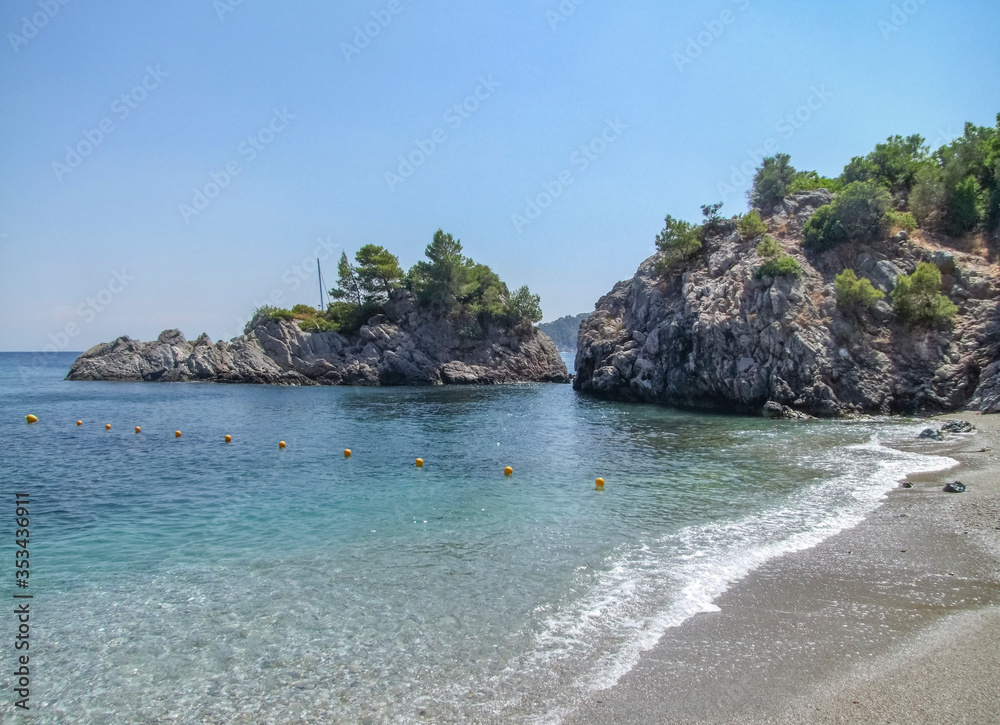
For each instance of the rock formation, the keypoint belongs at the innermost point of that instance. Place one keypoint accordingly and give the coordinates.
(713, 336)
(404, 346)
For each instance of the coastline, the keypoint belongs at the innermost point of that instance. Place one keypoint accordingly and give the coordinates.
(894, 620)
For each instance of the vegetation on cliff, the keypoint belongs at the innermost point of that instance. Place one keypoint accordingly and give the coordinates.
(447, 283)
(900, 186)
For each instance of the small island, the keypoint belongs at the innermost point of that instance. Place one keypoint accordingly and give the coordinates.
(449, 320)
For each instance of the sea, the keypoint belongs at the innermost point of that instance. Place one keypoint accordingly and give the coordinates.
(186, 579)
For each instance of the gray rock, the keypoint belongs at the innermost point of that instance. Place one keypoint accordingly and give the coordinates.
(883, 275)
(944, 260)
(725, 340)
(957, 426)
(403, 347)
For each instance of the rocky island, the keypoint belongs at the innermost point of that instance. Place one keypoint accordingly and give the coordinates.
(877, 299)
(449, 321)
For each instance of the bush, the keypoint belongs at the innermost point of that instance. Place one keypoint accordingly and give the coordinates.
(858, 214)
(768, 247)
(823, 230)
(678, 240)
(780, 266)
(270, 312)
(958, 190)
(917, 298)
(522, 308)
(901, 219)
(893, 164)
(855, 293)
(316, 324)
(771, 182)
(750, 225)
(810, 181)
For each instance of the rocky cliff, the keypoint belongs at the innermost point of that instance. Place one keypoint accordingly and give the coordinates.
(404, 346)
(713, 336)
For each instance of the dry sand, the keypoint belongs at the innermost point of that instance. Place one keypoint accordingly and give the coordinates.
(894, 621)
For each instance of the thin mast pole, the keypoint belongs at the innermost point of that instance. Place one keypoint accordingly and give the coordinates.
(319, 273)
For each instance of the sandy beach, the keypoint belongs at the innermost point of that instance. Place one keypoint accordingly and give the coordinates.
(894, 621)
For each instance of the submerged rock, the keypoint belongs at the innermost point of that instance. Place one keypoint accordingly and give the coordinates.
(405, 346)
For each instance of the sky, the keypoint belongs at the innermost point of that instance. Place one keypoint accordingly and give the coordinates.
(178, 164)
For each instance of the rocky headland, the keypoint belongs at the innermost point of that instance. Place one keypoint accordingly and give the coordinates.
(712, 335)
(405, 345)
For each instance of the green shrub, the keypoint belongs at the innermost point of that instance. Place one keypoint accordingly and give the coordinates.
(771, 181)
(750, 225)
(316, 324)
(857, 214)
(893, 164)
(917, 298)
(768, 247)
(270, 312)
(902, 219)
(678, 240)
(855, 293)
(810, 181)
(780, 266)
(305, 310)
(823, 230)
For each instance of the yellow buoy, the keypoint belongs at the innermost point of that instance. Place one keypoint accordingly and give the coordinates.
(600, 483)
(420, 463)
(177, 434)
(281, 444)
(79, 422)
(347, 453)
(31, 418)
(229, 438)
(508, 471)
(107, 426)
(138, 429)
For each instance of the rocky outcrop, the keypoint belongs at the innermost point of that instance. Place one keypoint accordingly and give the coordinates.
(713, 336)
(404, 346)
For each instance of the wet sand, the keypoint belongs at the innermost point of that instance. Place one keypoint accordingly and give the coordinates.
(894, 621)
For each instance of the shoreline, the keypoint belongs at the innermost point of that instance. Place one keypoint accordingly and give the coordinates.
(894, 620)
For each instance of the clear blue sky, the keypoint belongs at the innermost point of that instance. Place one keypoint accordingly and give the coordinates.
(97, 240)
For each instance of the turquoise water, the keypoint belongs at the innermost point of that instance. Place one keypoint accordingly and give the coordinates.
(191, 580)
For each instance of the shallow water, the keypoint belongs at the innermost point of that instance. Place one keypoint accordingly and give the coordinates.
(192, 580)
